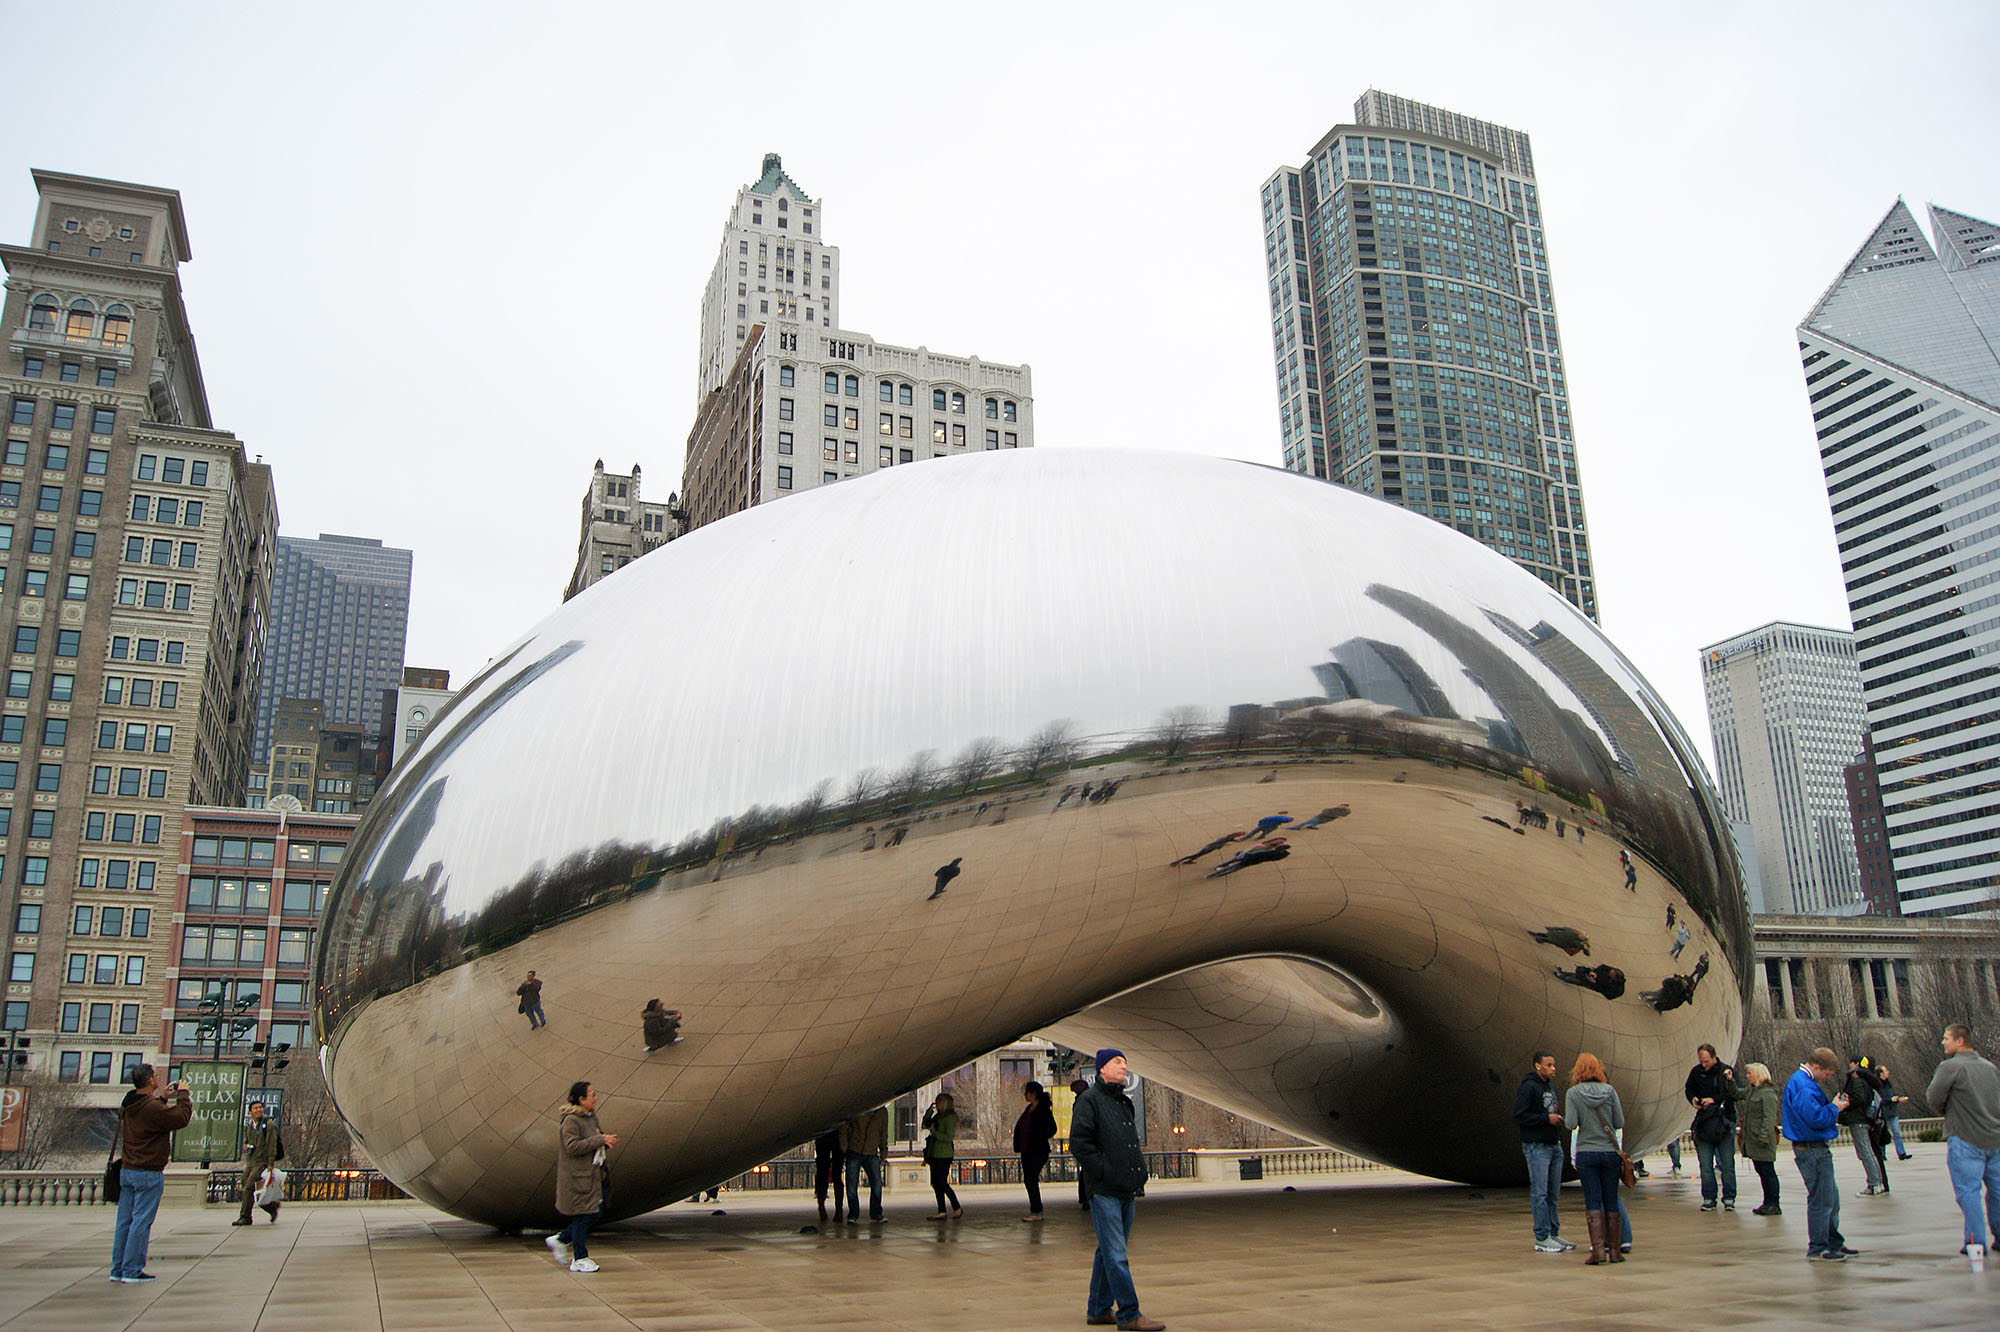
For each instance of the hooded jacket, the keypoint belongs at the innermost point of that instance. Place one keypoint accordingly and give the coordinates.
(1533, 1104)
(1760, 1112)
(149, 1124)
(1594, 1111)
(579, 1186)
(1104, 1139)
(867, 1134)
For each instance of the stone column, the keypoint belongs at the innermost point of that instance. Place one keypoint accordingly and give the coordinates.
(1785, 987)
(1868, 988)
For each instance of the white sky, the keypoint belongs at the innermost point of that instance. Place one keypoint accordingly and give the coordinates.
(447, 255)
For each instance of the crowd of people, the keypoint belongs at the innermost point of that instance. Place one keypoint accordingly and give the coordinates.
(1749, 1115)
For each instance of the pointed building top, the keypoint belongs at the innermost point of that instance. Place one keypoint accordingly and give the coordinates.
(774, 178)
(1896, 242)
(1964, 242)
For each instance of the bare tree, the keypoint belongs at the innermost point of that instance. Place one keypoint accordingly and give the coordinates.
(314, 1135)
(863, 787)
(53, 1128)
(1053, 746)
(811, 805)
(978, 761)
(1178, 729)
(1942, 991)
(915, 776)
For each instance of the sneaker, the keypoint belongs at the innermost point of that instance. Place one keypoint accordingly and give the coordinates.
(1550, 1245)
(1868, 1192)
(583, 1265)
(1677, 1173)
(1567, 1246)
(240, 1221)
(1729, 1204)
(138, 1280)
(1846, 1252)
(563, 1252)
(1828, 1256)
(1709, 1205)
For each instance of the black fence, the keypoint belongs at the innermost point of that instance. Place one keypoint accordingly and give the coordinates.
(798, 1174)
(224, 1186)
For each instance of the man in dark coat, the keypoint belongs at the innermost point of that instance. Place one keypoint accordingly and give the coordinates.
(945, 874)
(1713, 1090)
(1104, 1138)
(1538, 1116)
(262, 1150)
(1860, 1118)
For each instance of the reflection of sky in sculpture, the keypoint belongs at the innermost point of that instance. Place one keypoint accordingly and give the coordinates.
(1222, 603)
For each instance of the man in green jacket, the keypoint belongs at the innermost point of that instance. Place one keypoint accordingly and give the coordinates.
(262, 1150)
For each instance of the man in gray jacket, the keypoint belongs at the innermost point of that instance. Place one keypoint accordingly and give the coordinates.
(1104, 1138)
(1967, 1088)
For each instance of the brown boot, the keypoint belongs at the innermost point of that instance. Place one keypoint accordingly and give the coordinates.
(1594, 1222)
(1612, 1253)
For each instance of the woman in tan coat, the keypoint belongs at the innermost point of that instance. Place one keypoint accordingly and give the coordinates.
(581, 1180)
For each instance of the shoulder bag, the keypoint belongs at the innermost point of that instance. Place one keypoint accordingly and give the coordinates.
(1628, 1174)
(113, 1163)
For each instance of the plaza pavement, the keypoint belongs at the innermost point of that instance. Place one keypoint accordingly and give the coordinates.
(1383, 1251)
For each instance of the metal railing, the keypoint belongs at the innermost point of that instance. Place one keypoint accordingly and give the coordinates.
(799, 1174)
(51, 1188)
(224, 1186)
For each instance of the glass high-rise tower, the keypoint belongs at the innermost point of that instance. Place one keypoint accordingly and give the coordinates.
(340, 611)
(1414, 329)
(1904, 385)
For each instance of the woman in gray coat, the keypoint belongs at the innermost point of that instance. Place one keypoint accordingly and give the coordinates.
(581, 1180)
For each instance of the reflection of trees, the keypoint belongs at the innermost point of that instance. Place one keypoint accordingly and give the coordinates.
(1178, 728)
(914, 777)
(977, 761)
(1053, 746)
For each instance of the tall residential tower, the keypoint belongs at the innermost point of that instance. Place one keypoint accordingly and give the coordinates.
(1904, 383)
(1414, 328)
(1784, 707)
(340, 611)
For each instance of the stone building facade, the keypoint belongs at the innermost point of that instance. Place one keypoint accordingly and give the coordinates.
(618, 526)
(137, 543)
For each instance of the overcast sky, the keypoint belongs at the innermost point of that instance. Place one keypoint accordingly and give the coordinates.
(446, 256)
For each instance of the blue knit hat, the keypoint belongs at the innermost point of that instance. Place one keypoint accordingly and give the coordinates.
(1106, 1056)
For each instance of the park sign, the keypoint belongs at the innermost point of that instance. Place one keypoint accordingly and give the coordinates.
(216, 1131)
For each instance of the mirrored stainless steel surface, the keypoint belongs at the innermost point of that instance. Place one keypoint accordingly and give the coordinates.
(728, 776)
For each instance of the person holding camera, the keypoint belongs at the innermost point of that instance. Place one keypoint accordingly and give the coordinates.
(1713, 1091)
(582, 1180)
(147, 1121)
(1811, 1122)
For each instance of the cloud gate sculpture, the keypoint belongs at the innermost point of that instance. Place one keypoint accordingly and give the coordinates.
(728, 775)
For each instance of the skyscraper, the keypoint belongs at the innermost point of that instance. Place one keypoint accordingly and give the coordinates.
(1414, 329)
(1784, 707)
(137, 541)
(1904, 385)
(778, 371)
(340, 611)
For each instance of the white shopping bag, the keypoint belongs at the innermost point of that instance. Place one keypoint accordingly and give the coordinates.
(270, 1188)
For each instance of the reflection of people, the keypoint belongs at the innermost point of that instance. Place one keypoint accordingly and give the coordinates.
(1570, 940)
(1541, 1129)
(1327, 815)
(940, 1127)
(896, 836)
(1273, 849)
(1607, 981)
(1670, 915)
(1673, 992)
(1215, 845)
(1032, 1132)
(1681, 937)
(1712, 1089)
(1810, 1122)
(1597, 1122)
(1067, 792)
(827, 1159)
(1104, 1138)
(1270, 823)
(262, 1150)
(1757, 1134)
(1967, 1088)
(1631, 874)
(945, 874)
(662, 1025)
(146, 1126)
(1106, 791)
(582, 1182)
(530, 991)
(863, 1141)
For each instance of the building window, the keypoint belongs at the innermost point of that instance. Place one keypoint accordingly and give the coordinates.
(887, 424)
(20, 968)
(958, 403)
(1007, 411)
(784, 441)
(62, 416)
(886, 391)
(992, 439)
(906, 428)
(102, 419)
(853, 386)
(784, 478)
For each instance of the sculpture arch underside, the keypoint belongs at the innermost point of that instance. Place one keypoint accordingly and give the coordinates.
(1315, 808)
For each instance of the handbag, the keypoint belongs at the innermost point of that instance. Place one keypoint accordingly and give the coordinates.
(1628, 1174)
(113, 1165)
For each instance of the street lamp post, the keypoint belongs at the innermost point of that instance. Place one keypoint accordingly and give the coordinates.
(222, 1010)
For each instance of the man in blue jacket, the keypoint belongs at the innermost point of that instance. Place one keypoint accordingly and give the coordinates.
(1810, 1122)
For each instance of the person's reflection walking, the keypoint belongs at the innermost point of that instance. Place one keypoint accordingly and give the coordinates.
(1270, 823)
(1273, 849)
(1607, 981)
(1327, 815)
(530, 991)
(1571, 941)
(1215, 845)
(945, 874)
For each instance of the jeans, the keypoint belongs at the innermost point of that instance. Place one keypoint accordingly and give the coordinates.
(826, 1175)
(1815, 1163)
(577, 1231)
(1599, 1173)
(138, 1201)
(1110, 1271)
(1674, 1152)
(941, 1186)
(1624, 1223)
(1032, 1165)
(1545, 1172)
(1896, 1134)
(1767, 1175)
(1970, 1168)
(1871, 1164)
(535, 1018)
(1717, 1158)
(856, 1163)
